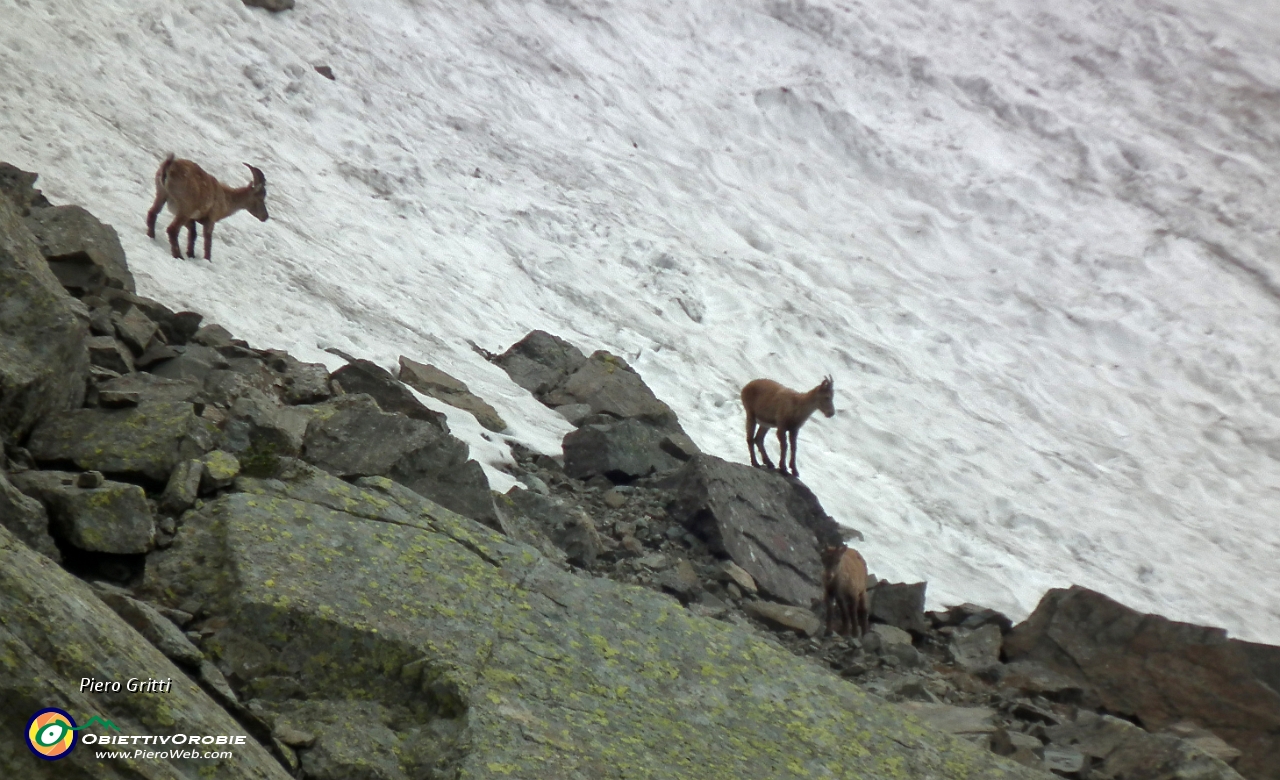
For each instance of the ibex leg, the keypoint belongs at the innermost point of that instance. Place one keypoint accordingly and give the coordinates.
(759, 442)
(173, 230)
(154, 213)
(208, 238)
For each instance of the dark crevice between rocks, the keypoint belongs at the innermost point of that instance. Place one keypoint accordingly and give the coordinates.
(121, 569)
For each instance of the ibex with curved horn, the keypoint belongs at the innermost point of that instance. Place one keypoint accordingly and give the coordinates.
(770, 405)
(195, 196)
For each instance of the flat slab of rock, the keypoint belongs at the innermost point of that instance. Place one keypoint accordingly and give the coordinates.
(134, 389)
(961, 721)
(768, 524)
(113, 517)
(783, 616)
(135, 329)
(147, 440)
(429, 380)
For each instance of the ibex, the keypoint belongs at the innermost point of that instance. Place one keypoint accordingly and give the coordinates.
(770, 405)
(195, 196)
(844, 591)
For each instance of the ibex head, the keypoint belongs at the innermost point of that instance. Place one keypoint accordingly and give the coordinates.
(826, 396)
(257, 206)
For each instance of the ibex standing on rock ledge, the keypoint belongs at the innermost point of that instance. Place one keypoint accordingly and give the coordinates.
(770, 405)
(844, 591)
(195, 196)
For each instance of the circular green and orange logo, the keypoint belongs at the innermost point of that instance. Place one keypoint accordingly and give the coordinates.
(51, 734)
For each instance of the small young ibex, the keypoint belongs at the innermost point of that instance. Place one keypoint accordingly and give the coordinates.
(844, 591)
(770, 405)
(195, 196)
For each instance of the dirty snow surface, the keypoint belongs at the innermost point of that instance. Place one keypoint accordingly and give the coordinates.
(1037, 249)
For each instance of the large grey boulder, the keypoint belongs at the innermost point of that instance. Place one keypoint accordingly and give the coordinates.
(771, 526)
(82, 252)
(110, 517)
(56, 632)
(43, 360)
(540, 362)
(611, 387)
(1160, 671)
(301, 383)
(622, 451)
(900, 604)
(258, 424)
(352, 437)
(26, 519)
(147, 440)
(356, 615)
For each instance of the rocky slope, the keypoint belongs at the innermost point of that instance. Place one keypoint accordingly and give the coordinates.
(319, 566)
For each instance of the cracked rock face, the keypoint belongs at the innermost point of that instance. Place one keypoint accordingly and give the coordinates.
(765, 522)
(43, 360)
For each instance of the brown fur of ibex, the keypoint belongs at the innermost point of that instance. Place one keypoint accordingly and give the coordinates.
(195, 196)
(770, 405)
(844, 591)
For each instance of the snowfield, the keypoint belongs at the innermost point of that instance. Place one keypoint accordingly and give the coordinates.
(1037, 249)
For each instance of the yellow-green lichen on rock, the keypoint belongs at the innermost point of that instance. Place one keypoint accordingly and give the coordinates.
(148, 440)
(53, 632)
(514, 666)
